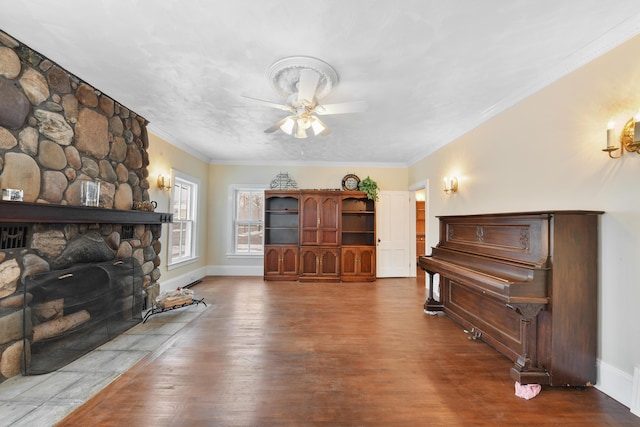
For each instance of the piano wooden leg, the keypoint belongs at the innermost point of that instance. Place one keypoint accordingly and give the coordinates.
(524, 370)
(431, 304)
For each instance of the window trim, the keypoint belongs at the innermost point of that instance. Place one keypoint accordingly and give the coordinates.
(195, 242)
(231, 217)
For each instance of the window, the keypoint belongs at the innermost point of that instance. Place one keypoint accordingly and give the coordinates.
(248, 223)
(182, 231)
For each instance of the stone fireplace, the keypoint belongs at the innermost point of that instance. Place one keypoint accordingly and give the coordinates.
(56, 132)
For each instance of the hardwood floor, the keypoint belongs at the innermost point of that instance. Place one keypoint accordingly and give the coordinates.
(331, 354)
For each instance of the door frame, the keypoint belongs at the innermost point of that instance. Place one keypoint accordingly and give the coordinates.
(421, 185)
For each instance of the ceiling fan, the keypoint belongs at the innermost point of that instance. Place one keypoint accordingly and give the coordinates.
(302, 81)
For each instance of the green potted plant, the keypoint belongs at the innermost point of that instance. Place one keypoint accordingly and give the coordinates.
(369, 187)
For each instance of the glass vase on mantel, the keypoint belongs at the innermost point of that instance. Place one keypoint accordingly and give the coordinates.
(90, 193)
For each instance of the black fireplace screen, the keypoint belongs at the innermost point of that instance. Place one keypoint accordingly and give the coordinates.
(75, 310)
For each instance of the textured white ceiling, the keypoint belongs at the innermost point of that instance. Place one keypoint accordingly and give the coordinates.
(430, 70)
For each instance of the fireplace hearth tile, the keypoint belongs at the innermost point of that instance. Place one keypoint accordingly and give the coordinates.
(157, 328)
(136, 342)
(13, 412)
(180, 314)
(105, 361)
(44, 415)
(88, 386)
(15, 386)
(44, 400)
(51, 386)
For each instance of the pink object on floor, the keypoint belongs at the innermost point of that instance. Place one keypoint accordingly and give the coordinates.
(527, 391)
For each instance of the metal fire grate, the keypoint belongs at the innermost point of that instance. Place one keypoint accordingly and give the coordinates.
(127, 232)
(13, 236)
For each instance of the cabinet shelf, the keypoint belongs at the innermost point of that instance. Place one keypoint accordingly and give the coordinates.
(357, 212)
(281, 218)
(358, 221)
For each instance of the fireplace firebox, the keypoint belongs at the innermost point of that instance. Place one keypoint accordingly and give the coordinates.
(75, 310)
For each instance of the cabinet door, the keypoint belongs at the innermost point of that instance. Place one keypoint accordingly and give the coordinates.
(271, 261)
(349, 261)
(309, 262)
(320, 263)
(310, 223)
(281, 262)
(289, 263)
(329, 220)
(358, 263)
(367, 261)
(320, 223)
(329, 262)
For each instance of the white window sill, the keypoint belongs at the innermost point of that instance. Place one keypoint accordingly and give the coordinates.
(245, 256)
(182, 263)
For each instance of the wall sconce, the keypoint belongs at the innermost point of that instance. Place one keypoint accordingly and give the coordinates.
(163, 183)
(450, 184)
(629, 138)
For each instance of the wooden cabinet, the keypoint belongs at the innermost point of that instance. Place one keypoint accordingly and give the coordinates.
(358, 236)
(319, 264)
(307, 232)
(320, 215)
(281, 262)
(358, 263)
(281, 235)
(320, 236)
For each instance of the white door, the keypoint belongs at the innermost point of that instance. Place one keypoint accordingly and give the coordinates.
(393, 230)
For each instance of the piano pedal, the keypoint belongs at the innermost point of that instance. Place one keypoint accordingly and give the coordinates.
(474, 334)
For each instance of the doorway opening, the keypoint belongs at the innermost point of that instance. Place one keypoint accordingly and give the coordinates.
(421, 238)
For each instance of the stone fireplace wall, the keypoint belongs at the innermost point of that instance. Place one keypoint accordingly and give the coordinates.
(57, 131)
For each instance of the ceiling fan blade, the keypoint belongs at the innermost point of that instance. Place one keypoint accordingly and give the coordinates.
(269, 104)
(341, 108)
(278, 125)
(307, 86)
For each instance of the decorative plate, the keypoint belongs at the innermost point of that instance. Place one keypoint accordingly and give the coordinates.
(350, 182)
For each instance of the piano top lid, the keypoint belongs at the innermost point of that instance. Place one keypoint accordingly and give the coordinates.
(524, 214)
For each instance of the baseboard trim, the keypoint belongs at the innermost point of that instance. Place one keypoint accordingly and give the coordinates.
(184, 280)
(235, 270)
(635, 394)
(615, 383)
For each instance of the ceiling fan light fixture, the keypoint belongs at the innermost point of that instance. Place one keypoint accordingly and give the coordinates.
(299, 131)
(304, 122)
(300, 134)
(302, 81)
(317, 126)
(287, 126)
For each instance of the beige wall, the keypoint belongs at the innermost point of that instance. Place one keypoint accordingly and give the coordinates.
(162, 158)
(545, 153)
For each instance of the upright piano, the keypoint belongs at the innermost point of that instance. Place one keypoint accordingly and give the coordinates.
(527, 285)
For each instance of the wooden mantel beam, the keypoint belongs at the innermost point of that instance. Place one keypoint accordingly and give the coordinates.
(25, 212)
